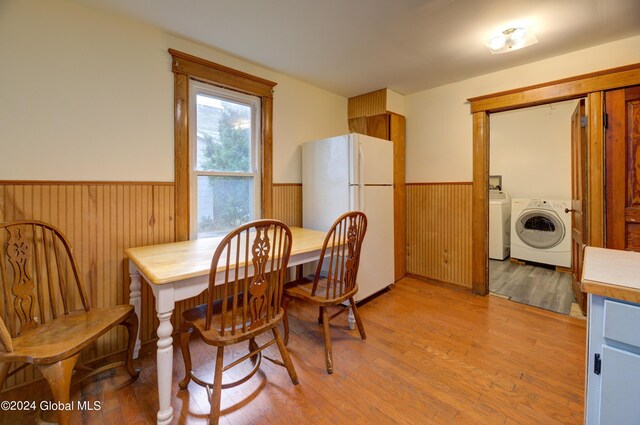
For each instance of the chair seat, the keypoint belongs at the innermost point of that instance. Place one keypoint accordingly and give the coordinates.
(197, 317)
(60, 338)
(301, 289)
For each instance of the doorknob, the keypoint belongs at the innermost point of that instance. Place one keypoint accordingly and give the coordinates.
(567, 210)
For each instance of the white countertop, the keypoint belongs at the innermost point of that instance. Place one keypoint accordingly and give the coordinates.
(612, 273)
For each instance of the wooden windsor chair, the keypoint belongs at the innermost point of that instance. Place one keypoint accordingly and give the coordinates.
(252, 260)
(335, 280)
(40, 287)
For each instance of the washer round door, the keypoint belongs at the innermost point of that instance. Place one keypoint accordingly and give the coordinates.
(540, 229)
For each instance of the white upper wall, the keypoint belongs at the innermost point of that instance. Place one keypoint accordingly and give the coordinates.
(395, 102)
(531, 150)
(88, 95)
(439, 121)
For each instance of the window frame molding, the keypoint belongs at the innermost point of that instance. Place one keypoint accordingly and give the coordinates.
(186, 67)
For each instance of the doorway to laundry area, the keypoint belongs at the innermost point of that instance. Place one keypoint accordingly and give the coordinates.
(530, 212)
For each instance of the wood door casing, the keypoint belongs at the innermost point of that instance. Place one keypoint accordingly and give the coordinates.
(578, 199)
(591, 85)
(397, 134)
(622, 151)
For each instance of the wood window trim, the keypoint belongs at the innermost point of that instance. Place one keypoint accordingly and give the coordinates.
(590, 85)
(186, 67)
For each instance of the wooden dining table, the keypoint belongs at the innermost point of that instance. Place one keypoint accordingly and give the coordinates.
(178, 271)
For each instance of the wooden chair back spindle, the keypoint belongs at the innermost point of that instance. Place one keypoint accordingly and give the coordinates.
(334, 284)
(251, 284)
(250, 265)
(340, 256)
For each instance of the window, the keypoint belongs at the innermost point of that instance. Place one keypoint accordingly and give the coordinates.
(225, 159)
(206, 184)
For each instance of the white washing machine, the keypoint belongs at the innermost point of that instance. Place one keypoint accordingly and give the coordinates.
(499, 225)
(541, 231)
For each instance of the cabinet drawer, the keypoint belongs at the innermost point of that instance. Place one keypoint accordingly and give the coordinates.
(621, 322)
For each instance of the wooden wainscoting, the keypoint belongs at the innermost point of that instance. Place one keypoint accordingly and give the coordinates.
(439, 231)
(367, 105)
(102, 219)
(287, 203)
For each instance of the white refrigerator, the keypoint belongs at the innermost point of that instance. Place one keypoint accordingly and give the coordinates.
(353, 172)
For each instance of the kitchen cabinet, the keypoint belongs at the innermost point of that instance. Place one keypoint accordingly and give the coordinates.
(611, 279)
(375, 126)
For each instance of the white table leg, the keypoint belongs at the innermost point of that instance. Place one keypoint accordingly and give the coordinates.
(351, 319)
(165, 367)
(135, 297)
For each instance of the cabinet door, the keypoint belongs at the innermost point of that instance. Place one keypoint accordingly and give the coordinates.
(358, 125)
(378, 126)
(374, 126)
(620, 387)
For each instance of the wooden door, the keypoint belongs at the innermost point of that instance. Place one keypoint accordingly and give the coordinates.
(622, 179)
(578, 199)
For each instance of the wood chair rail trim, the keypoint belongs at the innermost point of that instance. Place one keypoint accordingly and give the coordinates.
(437, 183)
(82, 183)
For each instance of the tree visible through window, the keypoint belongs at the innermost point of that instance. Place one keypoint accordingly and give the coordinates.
(225, 179)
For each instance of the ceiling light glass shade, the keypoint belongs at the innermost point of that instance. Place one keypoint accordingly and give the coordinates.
(496, 43)
(511, 39)
(518, 34)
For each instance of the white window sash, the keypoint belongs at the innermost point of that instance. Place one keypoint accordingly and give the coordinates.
(253, 102)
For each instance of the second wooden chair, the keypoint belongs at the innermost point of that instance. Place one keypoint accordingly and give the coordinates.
(335, 280)
(46, 318)
(249, 268)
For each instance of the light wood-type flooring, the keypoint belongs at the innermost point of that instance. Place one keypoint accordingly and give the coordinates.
(534, 285)
(433, 355)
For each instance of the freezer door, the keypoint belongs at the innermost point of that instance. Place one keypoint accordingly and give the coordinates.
(325, 181)
(371, 160)
(376, 270)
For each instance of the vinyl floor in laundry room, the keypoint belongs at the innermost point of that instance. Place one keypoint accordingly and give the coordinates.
(534, 285)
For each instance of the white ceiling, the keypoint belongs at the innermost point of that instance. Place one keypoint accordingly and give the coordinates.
(352, 47)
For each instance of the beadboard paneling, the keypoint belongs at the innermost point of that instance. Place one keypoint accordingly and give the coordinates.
(287, 203)
(368, 104)
(439, 231)
(101, 220)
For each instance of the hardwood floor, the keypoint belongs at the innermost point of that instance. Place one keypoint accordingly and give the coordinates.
(532, 285)
(433, 355)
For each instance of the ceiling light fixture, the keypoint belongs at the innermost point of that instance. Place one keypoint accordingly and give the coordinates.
(511, 39)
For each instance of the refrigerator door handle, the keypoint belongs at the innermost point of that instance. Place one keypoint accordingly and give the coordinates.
(361, 162)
